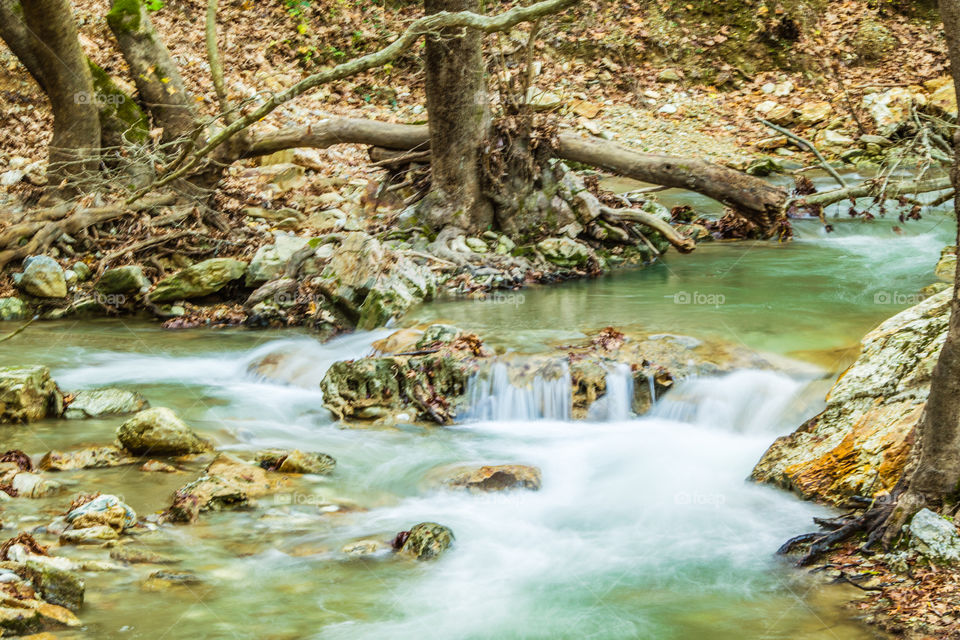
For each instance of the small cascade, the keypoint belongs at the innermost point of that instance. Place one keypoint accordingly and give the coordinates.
(617, 404)
(493, 395)
(743, 401)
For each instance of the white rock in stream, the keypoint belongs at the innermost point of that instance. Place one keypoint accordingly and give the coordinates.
(935, 536)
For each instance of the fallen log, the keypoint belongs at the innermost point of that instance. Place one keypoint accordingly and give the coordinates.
(752, 197)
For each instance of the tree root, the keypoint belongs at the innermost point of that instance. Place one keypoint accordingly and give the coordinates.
(872, 522)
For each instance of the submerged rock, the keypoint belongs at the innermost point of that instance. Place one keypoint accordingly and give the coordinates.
(159, 432)
(935, 537)
(426, 541)
(97, 403)
(28, 394)
(202, 279)
(43, 278)
(285, 461)
(228, 483)
(32, 485)
(862, 440)
(57, 586)
(86, 458)
(493, 478)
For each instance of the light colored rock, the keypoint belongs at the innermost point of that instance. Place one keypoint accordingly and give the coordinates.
(28, 394)
(43, 278)
(128, 279)
(833, 141)
(10, 178)
(889, 109)
(669, 75)
(82, 270)
(97, 403)
(935, 537)
(946, 269)
(270, 260)
(815, 112)
(564, 252)
(775, 112)
(493, 477)
(85, 458)
(944, 100)
(202, 279)
(228, 483)
(861, 441)
(32, 485)
(295, 461)
(13, 309)
(159, 432)
(96, 535)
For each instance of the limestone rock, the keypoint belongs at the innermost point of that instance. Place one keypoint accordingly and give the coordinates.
(935, 537)
(861, 441)
(812, 113)
(427, 541)
(494, 478)
(202, 279)
(564, 252)
(159, 432)
(890, 109)
(228, 483)
(128, 279)
(296, 461)
(85, 458)
(43, 278)
(28, 394)
(97, 403)
(57, 586)
(13, 309)
(270, 260)
(946, 268)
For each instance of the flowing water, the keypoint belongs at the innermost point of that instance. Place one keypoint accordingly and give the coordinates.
(645, 527)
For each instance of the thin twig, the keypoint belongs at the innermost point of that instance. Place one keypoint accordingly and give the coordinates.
(808, 145)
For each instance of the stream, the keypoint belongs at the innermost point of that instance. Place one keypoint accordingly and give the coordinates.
(644, 528)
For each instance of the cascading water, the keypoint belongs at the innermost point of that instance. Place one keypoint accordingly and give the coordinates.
(492, 395)
(617, 402)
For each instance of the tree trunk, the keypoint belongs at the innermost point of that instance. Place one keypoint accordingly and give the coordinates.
(933, 477)
(459, 120)
(158, 79)
(21, 41)
(65, 76)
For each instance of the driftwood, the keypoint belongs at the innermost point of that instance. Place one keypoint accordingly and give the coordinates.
(678, 240)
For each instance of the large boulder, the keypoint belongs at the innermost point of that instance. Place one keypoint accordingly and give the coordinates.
(98, 403)
(128, 279)
(159, 432)
(28, 394)
(270, 260)
(43, 278)
(228, 483)
(57, 586)
(202, 279)
(862, 440)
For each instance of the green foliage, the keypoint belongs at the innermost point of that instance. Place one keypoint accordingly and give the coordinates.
(154, 5)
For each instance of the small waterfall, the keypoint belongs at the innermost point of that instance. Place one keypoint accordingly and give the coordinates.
(617, 404)
(493, 395)
(743, 401)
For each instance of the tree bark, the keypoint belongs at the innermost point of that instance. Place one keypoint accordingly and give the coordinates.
(933, 477)
(457, 103)
(21, 41)
(152, 68)
(65, 76)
